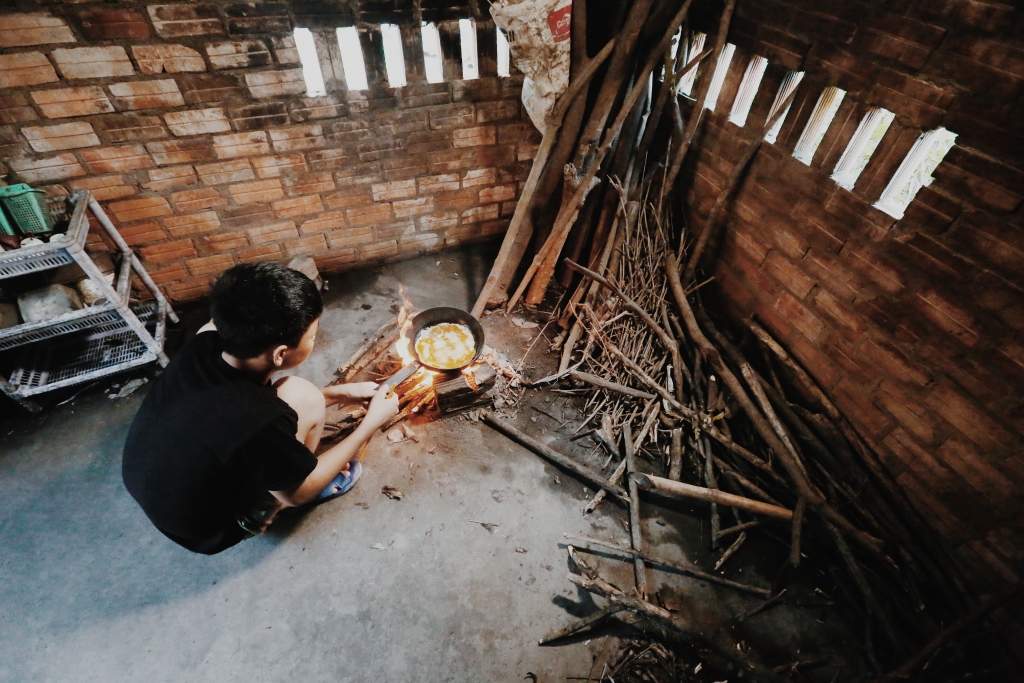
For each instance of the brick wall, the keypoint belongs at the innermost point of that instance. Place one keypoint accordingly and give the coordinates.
(913, 326)
(190, 124)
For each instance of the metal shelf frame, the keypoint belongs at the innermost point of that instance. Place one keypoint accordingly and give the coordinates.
(112, 318)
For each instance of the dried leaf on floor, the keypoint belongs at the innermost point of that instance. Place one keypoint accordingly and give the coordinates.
(392, 493)
(520, 549)
(525, 324)
(379, 546)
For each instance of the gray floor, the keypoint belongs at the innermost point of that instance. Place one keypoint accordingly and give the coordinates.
(89, 591)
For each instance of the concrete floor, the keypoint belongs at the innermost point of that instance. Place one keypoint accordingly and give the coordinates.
(90, 591)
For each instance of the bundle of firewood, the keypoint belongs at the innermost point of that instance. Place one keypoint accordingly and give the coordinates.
(686, 412)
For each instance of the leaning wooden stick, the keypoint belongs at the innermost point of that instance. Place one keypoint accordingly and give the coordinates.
(368, 352)
(580, 624)
(680, 489)
(635, 536)
(563, 461)
(680, 567)
(602, 383)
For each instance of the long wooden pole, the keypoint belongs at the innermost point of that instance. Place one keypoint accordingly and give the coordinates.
(682, 490)
(517, 237)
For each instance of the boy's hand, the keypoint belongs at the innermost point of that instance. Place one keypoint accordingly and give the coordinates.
(347, 394)
(382, 408)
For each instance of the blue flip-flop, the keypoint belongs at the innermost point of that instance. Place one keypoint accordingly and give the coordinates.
(340, 485)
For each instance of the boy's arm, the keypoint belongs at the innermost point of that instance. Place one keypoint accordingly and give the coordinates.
(333, 461)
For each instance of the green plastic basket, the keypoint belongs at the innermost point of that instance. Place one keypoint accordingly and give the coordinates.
(27, 206)
(5, 225)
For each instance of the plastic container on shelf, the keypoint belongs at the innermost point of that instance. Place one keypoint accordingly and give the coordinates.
(27, 207)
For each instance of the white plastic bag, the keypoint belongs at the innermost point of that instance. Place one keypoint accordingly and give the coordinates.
(538, 34)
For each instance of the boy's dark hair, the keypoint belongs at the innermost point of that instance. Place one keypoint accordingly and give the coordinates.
(260, 305)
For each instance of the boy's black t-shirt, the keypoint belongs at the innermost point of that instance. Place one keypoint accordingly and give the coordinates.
(204, 439)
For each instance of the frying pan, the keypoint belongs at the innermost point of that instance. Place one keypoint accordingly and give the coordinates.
(429, 318)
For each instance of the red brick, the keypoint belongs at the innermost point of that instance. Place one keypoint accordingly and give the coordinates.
(870, 261)
(930, 507)
(14, 108)
(982, 476)
(918, 460)
(393, 230)
(853, 401)
(799, 316)
(65, 102)
(169, 58)
(168, 251)
(47, 169)
(487, 212)
(419, 243)
(498, 193)
(333, 260)
(222, 241)
(379, 250)
(348, 197)
(972, 422)
(208, 88)
(285, 50)
(912, 416)
(948, 316)
(101, 23)
(984, 182)
(375, 213)
(993, 240)
(25, 68)
(171, 273)
(276, 166)
(350, 237)
(117, 159)
(235, 171)
(238, 54)
(273, 233)
(325, 222)
(842, 319)
(117, 128)
(438, 221)
(196, 200)
(186, 151)
(60, 137)
(172, 21)
(210, 265)
(137, 209)
(783, 236)
(474, 137)
(146, 94)
(198, 122)
(264, 252)
(187, 290)
(487, 112)
(788, 274)
(748, 239)
(241, 145)
(451, 116)
(438, 183)
(305, 245)
(399, 189)
(264, 84)
(246, 18)
(931, 211)
(298, 206)
(895, 363)
(308, 183)
(297, 138)
(257, 191)
(105, 188)
(93, 62)
(143, 233)
(34, 29)
(247, 215)
(413, 207)
(855, 367)
(165, 178)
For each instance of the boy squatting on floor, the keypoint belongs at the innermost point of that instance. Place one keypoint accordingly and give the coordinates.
(215, 434)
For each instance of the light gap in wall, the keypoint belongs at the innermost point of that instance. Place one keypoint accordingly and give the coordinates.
(311, 73)
(470, 63)
(862, 145)
(394, 58)
(694, 47)
(821, 118)
(504, 66)
(352, 58)
(432, 61)
(748, 90)
(916, 171)
(789, 85)
(718, 78)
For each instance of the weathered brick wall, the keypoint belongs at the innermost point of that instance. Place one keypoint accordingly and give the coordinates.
(913, 326)
(190, 124)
